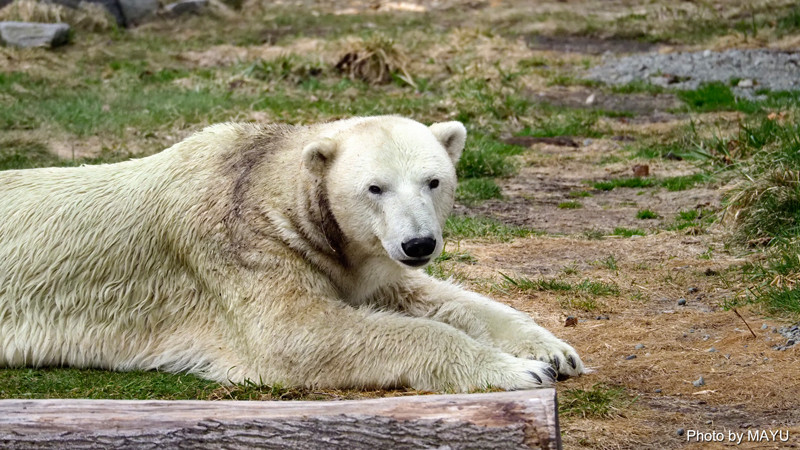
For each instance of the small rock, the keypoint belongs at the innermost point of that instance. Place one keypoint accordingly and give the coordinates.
(764, 326)
(641, 170)
(601, 318)
(571, 321)
(712, 350)
(706, 53)
(29, 34)
(746, 83)
(680, 432)
(587, 142)
(657, 391)
(639, 346)
(186, 7)
(590, 99)
(136, 11)
(699, 382)
(691, 330)
(630, 357)
(692, 290)
(682, 302)
(706, 337)
(709, 422)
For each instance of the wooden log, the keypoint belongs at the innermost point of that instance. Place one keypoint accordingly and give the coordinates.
(504, 420)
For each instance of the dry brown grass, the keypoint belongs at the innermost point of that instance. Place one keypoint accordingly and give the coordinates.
(375, 60)
(87, 16)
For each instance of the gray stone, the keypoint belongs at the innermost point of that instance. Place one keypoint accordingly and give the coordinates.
(746, 83)
(682, 302)
(639, 346)
(699, 382)
(657, 391)
(29, 34)
(137, 11)
(680, 432)
(764, 326)
(112, 6)
(186, 7)
(630, 357)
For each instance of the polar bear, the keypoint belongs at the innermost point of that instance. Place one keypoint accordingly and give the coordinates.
(274, 253)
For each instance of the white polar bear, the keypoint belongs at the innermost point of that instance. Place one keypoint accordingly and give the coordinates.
(277, 254)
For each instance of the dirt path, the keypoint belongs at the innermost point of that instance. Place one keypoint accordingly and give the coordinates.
(644, 340)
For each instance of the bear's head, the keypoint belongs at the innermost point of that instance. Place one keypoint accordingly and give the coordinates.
(389, 183)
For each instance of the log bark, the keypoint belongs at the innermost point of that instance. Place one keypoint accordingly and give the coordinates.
(505, 420)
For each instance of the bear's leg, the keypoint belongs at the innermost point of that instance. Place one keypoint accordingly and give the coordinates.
(488, 321)
(324, 343)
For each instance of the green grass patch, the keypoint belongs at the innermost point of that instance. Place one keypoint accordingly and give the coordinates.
(683, 182)
(646, 214)
(628, 182)
(716, 96)
(22, 154)
(96, 384)
(462, 227)
(570, 205)
(627, 232)
(598, 402)
(471, 191)
(610, 263)
(573, 123)
(484, 156)
(598, 288)
(579, 194)
(692, 218)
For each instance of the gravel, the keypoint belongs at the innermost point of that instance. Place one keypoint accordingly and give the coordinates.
(792, 335)
(755, 69)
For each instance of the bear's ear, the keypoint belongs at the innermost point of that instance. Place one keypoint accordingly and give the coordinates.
(317, 154)
(452, 136)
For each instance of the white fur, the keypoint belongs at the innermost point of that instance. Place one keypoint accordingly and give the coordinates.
(248, 252)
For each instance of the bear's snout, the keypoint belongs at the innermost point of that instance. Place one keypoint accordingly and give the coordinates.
(420, 249)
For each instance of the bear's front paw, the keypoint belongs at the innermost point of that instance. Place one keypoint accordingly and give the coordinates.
(558, 354)
(512, 373)
(531, 341)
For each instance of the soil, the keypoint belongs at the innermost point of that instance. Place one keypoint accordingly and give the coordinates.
(749, 385)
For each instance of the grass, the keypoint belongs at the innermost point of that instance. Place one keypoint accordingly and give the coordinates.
(627, 232)
(628, 182)
(610, 263)
(684, 182)
(692, 218)
(646, 214)
(90, 383)
(598, 402)
(597, 288)
(570, 205)
(579, 194)
(716, 96)
(677, 183)
(486, 157)
(474, 190)
(462, 227)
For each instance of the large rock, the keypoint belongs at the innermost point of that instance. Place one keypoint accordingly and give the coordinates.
(186, 7)
(137, 11)
(112, 6)
(29, 34)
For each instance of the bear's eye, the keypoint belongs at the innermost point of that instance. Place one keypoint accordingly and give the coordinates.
(375, 190)
(433, 184)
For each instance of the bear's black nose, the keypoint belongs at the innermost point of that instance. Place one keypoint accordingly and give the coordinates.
(419, 247)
